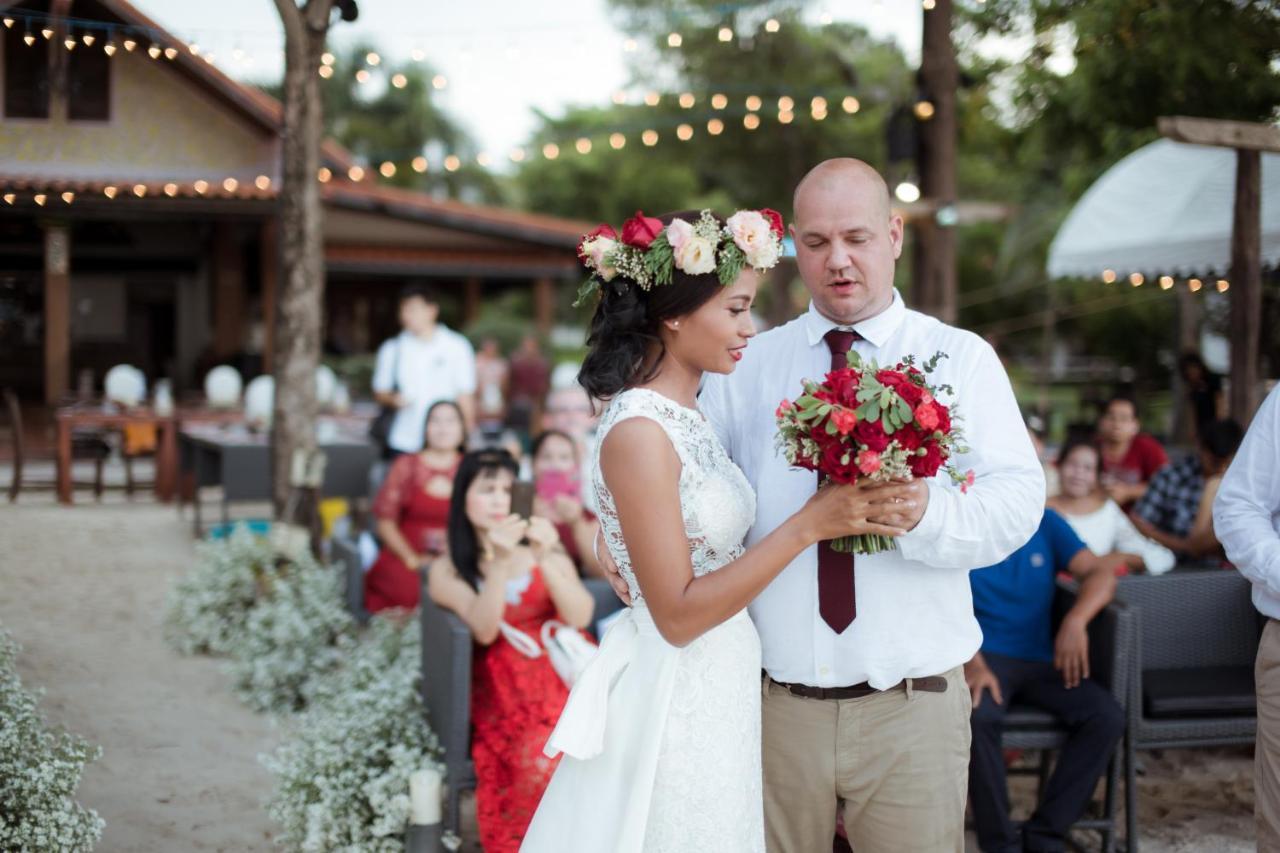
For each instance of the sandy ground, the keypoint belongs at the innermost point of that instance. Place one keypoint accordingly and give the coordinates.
(83, 590)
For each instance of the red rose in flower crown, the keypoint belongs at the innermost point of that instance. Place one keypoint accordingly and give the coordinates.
(868, 422)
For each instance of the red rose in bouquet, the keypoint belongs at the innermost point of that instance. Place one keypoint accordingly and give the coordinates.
(868, 422)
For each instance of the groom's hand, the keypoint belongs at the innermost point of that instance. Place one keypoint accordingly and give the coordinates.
(907, 510)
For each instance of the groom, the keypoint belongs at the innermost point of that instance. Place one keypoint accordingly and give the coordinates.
(865, 709)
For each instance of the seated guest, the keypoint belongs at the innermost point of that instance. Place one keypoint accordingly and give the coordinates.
(569, 410)
(1130, 457)
(557, 481)
(1203, 388)
(1177, 510)
(1097, 519)
(1036, 430)
(1021, 660)
(412, 511)
(488, 578)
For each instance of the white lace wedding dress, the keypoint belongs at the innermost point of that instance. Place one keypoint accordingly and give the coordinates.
(662, 744)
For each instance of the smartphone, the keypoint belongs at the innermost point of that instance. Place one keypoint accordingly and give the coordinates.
(522, 498)
(554, 484)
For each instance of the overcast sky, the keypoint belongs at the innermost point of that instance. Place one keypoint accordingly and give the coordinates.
(502, 58)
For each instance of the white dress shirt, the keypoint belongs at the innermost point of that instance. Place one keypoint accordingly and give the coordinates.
(1246, 513)
(424, 372)
(914, 609)
(1108, 530)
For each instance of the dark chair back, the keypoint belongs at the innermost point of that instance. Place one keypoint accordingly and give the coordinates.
(15, 426)
(447, 648)
(347, 554)
(1193, 619)
(607, 601)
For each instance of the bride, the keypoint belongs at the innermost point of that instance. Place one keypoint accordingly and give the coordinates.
(661, 733)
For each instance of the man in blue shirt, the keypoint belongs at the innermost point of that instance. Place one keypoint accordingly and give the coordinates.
(1022, 660)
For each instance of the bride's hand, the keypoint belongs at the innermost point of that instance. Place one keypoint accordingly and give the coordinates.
(845, 510)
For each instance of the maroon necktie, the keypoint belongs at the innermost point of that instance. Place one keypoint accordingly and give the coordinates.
(836, 601)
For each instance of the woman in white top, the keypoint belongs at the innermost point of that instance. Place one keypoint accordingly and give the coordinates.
(1096, 518)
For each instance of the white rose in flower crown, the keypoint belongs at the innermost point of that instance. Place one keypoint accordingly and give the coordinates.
(696, 256)
(597, 249)
(754, 236)
(678, 233)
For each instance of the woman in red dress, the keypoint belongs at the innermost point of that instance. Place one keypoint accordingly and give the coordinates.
(488, 578)
(412, 509)
(557, 480)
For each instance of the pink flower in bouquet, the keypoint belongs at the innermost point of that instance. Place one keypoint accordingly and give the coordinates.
(844, 419)
(968, 482)
(868, 462)
(926, 415)
(783, 407)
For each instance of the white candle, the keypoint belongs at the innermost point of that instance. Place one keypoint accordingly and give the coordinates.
(424, 797)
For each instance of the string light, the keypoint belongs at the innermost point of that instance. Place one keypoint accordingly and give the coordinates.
(201, 187)
(1166, 282)
(674, 40)
(372, 58)
(419, 164)
(326, 71)
(786, 104)
(439, 81)
(786, 117)
(772, 25)
(583, 145)
(88, 39)
(517, 155)
(484, 159)
(230, 184)
(70, 43)
(39, 198)
(387, 169)
(452, 163)
(9, 198)
(649, 138)
(751, 121)
(8, 22)
(929, 5)
(1223, 284)
(719, 102)
(687, 100)
(617, 141)
(170, 53)
(1108, 276)
(109, 191)
(1194, 285)
(715, 127)
(326, 58)
(754, 103)
(129, 45)
(47, 33)
(154, 52)
(109, 49)
(171, 190)
(418, 54)
(399, 81)
(29, 39)
(323, 174)
(362, 76)
(139, 190)
(924, 110)
(68, 197)
(652, 98)
(355, 173)
(907, 192)
(725, 34)
(619, 97)
(684, 132)
(551, 151)
(1136, 279)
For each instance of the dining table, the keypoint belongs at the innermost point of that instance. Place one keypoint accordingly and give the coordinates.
(97, 417)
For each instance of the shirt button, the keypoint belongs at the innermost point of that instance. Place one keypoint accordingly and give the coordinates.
(824, 670)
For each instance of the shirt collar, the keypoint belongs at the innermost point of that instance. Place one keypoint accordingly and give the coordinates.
(876, 330)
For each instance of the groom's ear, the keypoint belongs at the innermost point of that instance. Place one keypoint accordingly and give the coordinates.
(895, 235)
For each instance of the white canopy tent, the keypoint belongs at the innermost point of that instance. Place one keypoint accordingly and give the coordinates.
(1166, 209)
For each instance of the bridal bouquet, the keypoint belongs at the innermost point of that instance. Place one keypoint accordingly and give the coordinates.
(868, 422)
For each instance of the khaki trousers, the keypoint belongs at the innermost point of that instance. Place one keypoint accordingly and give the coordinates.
(895, 763)
(1266, 756)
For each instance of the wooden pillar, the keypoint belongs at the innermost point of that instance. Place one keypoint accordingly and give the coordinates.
(1246, 285)
(57, 310)
(473, 292)
(544, 305)
(269, 274)
(228, 291)
(934, 264)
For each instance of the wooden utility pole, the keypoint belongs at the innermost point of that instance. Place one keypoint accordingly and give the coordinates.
(300, 298)
(1249, 140)
(934, 255)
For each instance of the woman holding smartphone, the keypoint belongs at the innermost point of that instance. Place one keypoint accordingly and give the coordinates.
(556, 477)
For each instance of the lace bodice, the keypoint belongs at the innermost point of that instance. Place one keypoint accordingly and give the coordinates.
(716, 500)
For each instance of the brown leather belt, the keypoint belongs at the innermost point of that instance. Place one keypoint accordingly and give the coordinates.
(928, 684)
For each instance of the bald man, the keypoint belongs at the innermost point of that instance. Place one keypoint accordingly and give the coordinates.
(866, 712)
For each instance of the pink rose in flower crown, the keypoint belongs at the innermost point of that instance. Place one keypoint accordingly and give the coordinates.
(678, 233)
(640, 230)
(753, 234)
(596, 247)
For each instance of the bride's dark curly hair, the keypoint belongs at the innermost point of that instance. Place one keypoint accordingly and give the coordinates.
(625, 325)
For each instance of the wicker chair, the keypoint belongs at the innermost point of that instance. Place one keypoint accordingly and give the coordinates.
(447, 649)
(1111, 638)
(1192, 682)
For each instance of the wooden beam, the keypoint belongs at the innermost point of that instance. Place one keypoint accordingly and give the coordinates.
(544, 305)
(1252, 136)
(1246, 286)
(57, 311)
(473, 292)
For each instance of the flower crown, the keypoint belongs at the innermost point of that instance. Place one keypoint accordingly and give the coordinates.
(647, 252)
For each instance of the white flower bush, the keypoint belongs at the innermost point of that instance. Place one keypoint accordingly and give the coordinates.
(39, 772)
(279, 618)
(342, 772)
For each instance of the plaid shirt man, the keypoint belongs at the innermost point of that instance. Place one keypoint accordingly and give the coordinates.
(1173, 496)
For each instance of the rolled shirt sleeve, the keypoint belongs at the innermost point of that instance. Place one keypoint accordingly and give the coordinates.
(1246, 510)
(1002, 510)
